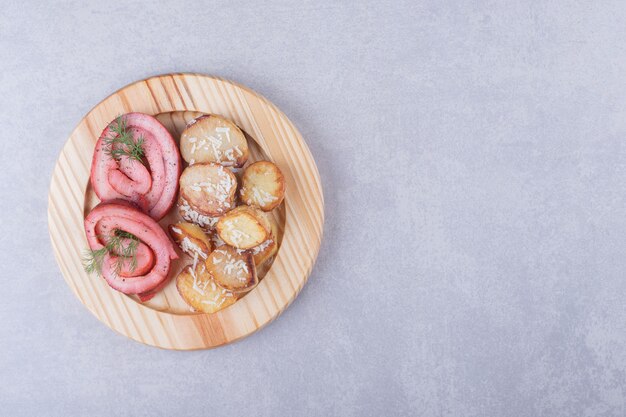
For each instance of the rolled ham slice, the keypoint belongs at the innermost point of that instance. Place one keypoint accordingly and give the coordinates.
(151, 186)
(154, 252)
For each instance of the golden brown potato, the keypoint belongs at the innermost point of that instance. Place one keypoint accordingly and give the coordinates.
(244, 227)
(191, 239)
(199, 290)
(232, 270)
(263, 186)
(212, 138)
(209, 188)
(190, 214)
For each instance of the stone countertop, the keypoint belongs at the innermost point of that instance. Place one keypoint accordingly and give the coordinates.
(473, 160)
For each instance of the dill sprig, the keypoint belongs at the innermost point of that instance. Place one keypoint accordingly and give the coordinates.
(121, 142)
(92, 259)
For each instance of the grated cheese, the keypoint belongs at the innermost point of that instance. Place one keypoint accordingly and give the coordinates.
(189, 246)
(225, 130)
(258, 249)
(195, 278)
(193, 216)
(262, 196)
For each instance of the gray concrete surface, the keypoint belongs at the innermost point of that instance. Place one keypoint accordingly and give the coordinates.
(473, 158)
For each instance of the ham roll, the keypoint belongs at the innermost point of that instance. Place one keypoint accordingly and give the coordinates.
(153, 254)
(151, 184)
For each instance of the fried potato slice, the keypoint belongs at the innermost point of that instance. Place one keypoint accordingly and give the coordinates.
(191, 239)
(209, 188)
(212, 138)
(263, 185)
(244, 227)
(200, 291)
(232, 269)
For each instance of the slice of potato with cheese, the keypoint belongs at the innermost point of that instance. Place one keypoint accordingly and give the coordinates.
(232, 269)
(212, 138)
(244, 227)
(190, 214)
(199, 290)
(209, 188)
(263, 185)
(191, 239)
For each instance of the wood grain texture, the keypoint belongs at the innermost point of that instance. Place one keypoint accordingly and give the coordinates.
(166, 321)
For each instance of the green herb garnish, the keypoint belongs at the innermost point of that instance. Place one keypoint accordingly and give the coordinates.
(92, 259)
(121, 142)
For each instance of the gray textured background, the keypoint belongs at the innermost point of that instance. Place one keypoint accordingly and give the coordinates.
(473, 162)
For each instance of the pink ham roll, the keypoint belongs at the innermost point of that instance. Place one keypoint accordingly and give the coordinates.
(154, 251)
(150, 185)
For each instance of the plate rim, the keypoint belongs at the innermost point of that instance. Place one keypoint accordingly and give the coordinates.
(177, 335)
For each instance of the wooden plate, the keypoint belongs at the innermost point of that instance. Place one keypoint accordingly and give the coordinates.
(166, 321)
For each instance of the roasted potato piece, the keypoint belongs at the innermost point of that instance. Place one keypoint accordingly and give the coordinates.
(232, 269)
(199, 290)
(212, 138)
(190, 214)
(209, 188)
(191, 239)
(263, 186)
(244, 227)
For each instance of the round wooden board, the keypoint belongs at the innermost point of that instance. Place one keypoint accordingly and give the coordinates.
(166, 321)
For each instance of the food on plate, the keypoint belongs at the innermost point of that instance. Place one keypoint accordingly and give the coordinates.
(209, 188)
(233, 270)
(128, 249)
(137, 160)
(244, 227)
(196, 286)
(212, 138)
(136, 173)
(191, 239)
(263, 185)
